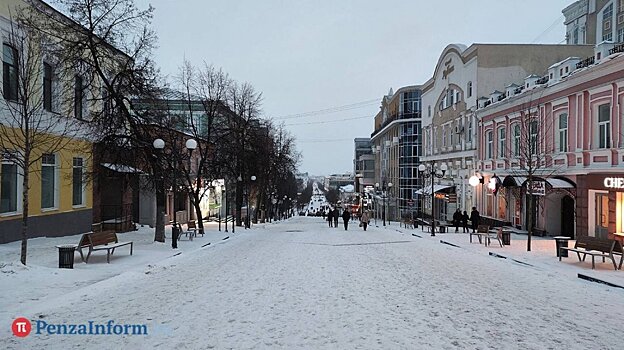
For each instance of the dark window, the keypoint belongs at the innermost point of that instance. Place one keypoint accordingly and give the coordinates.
(47, 87)
(78, 97)
(9, 72)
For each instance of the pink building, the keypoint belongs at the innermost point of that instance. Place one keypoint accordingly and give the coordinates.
(565, 128)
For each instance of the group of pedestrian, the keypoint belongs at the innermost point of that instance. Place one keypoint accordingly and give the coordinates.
(461, 219)
(334, 214)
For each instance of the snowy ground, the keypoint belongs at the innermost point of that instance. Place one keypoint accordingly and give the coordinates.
(318, 199)
(300, 284)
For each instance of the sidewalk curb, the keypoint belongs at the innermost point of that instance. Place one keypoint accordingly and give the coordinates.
(597, 280)
(448, 243)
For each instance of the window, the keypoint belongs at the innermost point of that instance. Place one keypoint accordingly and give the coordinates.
(48, 181)
(8, 186)
(533, 129)
(562, 140)
(469, 89)
(516, 133)
(607, 36)
(607, 13)
(620, 35)
(78, 97)
(470, 130)
(77, 182)
(47, 87)
(443, 136)
(490, 144)
(575, 36)
(9, 72)
(502, 133)
(604, 126)
(429, 111)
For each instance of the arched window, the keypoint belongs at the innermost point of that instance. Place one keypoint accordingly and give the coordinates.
(516, 136)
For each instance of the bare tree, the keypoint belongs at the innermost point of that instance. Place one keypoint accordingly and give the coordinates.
(108, 45)
(29, 130)
(531, 148)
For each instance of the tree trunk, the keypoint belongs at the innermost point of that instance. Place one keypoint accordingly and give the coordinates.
(198, 213)
(529, 200)
(239, 204)
(25, 199)
(159, 235)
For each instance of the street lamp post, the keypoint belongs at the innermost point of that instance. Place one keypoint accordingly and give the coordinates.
(387, 200)
(191, 144)
(248, 219)
(432, 172)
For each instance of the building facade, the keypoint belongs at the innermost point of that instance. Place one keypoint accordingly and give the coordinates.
(397, 146)
(464, 79)
(571, 130)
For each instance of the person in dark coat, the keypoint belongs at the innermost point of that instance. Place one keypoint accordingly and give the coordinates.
(330, 217)
(464, 220)
(346, 216)
(475, 218)
(336, 216)
(457, 216)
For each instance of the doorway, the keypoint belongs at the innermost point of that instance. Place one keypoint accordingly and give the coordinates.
(602, 215)
(567, 217)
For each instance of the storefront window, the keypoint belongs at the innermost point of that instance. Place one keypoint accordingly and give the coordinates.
(502, 205)
(619, 212)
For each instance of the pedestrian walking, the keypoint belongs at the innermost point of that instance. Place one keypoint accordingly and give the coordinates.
(346, 216)
(475, 219)
(457, 216)
(364, 219)
(464, 220)
(336, 216)
(330, 217)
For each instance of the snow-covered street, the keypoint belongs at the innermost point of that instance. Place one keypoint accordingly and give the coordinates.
(300, 284)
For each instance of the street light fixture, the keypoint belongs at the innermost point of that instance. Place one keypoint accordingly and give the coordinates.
(432, 172)
(386, 200)
(191, 145)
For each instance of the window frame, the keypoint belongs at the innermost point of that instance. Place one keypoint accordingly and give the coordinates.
(48, 80)
(489, 139)
(4, 160)
(604, 127)
(517, 132)
(562, 133)
(53, 183)
(82, 187)
(10, 83)
(502, 138)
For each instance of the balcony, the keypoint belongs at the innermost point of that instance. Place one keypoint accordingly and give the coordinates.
(395, 117)
(617, 49)
(586, 62)
(542, 80)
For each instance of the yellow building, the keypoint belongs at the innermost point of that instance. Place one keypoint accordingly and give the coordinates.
(60, 194)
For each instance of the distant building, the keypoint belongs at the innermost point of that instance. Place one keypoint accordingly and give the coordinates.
(363, 164)
(335, 181)
(594, 21)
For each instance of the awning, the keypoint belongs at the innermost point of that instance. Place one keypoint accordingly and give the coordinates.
(120, 168)
(514, 181)
(559, 183)
(436, 188)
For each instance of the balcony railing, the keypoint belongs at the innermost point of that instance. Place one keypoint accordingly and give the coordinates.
(617, 49)
(586, 62)
(395, 117)
(542, 80)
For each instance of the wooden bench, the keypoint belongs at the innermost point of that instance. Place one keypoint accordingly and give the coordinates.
(482, 231)
(594, 246)
(192, 229)
(105, 240)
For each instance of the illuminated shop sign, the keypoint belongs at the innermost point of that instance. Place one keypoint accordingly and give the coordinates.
(614, 182)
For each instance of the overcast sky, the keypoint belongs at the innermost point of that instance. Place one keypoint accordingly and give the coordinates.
(307, 56)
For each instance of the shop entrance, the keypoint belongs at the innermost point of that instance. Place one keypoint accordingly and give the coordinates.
(567, 216)
(602, 215)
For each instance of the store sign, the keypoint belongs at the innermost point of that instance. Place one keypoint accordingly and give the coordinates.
(614, 182)
(538, 188)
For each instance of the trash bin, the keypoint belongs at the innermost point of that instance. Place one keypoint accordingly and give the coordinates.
(506, 237)
(66, 256)
(561, 241)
